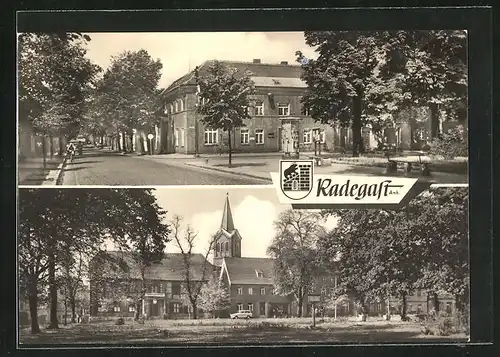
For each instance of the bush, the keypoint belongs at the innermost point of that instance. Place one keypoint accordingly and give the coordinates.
(453, 143)
(444, 327)
(120, 321)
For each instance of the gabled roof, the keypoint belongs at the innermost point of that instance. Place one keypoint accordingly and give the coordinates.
(171, 268)
(259, 72)
(244, 270)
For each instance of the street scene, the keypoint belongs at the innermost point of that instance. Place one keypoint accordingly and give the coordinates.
(231, 265)
(122, 109)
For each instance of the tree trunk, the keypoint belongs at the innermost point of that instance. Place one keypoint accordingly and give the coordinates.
(33, 304)
(403, 307)
(61, 145)
(138, 307)
(229, 146)
(131, 136)
(52, 291)
(73, 309)
(195, 312)
(356, 125)
(65, 310)
(118, 145)
(434, 120)
(51, 146)
(102, 141)
(300, 311)
(435, 302)
(44, 153)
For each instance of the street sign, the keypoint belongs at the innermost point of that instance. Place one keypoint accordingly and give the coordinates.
(150, 136)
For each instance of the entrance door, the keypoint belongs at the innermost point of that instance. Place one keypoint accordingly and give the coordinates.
(154, 311)
(262, 308)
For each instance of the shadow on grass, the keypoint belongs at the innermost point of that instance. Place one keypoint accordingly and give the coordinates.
(236, 165)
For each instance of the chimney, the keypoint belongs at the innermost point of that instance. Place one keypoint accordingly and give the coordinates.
(256, 60)
(284, 62)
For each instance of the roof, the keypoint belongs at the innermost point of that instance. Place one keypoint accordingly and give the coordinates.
(170, 268)
(260, 71)
(227, 222)
(244, 270)
(279, 82)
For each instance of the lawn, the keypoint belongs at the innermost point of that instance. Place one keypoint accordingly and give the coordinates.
(225, 331)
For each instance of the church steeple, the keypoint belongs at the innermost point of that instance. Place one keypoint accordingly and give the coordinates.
(227, 222)
(228, 240)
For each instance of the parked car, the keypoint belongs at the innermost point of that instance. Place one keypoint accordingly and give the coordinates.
(242, 314)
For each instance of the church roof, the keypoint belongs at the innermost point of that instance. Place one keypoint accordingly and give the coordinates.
(227, 222)
(250, 270)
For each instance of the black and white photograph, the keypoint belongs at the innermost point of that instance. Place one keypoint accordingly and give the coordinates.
(222, 108)
(232, 266)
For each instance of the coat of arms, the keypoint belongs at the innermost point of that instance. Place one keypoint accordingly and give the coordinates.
(296, 178)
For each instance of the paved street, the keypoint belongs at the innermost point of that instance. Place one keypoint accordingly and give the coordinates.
(103, 167)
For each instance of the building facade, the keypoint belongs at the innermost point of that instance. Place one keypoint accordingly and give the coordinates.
(278, 121)
(248, 279)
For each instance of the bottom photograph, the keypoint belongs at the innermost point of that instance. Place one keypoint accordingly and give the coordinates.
(233, 266)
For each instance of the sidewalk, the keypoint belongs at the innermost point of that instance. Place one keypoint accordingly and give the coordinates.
(32, 172)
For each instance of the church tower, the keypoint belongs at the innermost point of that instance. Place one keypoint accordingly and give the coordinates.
(228, 239)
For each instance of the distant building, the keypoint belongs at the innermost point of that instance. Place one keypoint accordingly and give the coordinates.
(248, 279)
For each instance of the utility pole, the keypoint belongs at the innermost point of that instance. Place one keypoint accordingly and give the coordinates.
(196, 134)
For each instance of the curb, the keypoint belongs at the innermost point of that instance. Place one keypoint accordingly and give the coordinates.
(230, 172)
(54, 177)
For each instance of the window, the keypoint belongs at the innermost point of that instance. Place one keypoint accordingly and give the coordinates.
(131, 308)
(177, 308)
(240, 292)
(307, 136)
(162, 288)
(211, 136)
(239, 306)
(323, 291)
(171, 108)
(259, 136)
(419, 293)
(283, 109)
(116, 308)
(250, 307)
(244, 136)
(273, 291)
(250, 291)
(259, 108)
(176, 137)
(306, 111)
(262, 291)
(182, 137)
(259, 273)
(379, 307)
(176, 106)
(226, 247)
(182, 104)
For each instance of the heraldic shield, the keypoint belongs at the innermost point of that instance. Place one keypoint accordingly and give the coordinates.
(296, 178)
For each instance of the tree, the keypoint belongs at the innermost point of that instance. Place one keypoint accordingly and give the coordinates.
(128, 92)
(73, 269)
(54, 78)
(53, 223)
(431, 69)
(294, 251)
(338, 79)
(214, 296)
(226, 98)
(382, 254)
(196, 269)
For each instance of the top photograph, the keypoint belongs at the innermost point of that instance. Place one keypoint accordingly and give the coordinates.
(223, 108)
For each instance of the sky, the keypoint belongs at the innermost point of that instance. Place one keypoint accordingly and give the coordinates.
(254, 211)
(180, 52)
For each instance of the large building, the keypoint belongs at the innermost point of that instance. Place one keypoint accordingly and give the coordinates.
(276, 105)
(278, 121)
(248, 279)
